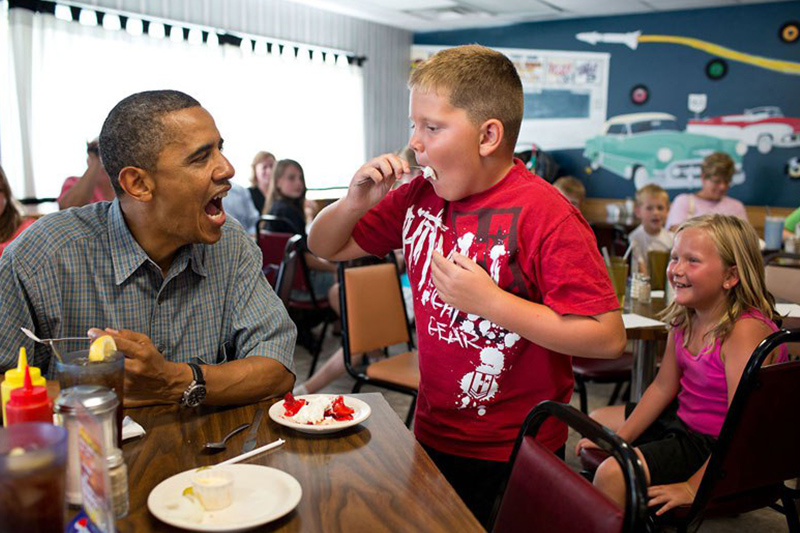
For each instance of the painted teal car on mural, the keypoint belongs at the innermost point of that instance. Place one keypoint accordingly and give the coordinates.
(651, 148)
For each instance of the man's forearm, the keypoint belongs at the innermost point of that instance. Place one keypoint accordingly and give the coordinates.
(601, 337)
(247, 380)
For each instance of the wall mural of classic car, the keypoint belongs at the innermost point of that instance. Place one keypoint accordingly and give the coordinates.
(762, 127)
(651, 148)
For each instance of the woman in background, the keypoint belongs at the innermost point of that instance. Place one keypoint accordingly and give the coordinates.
(12, 223)
(261, 181)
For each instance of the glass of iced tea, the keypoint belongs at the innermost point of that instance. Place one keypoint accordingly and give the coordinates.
(76, 369)
(33, 465)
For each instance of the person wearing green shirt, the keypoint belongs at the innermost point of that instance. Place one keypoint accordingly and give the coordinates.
(790, 226)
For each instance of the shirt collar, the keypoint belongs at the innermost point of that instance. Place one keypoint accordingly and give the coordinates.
(127, 255)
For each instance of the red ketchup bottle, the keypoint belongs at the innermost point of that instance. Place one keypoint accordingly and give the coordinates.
(29, 404)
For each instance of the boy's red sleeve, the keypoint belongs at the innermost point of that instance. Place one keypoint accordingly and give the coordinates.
(570, 272)
(380, 230)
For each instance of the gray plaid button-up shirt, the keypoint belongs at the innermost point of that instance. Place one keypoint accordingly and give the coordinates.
(82, 268)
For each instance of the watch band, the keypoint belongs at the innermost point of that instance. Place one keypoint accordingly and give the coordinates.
(197, 373)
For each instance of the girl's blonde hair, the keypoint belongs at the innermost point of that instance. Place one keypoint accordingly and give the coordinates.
(737, 245)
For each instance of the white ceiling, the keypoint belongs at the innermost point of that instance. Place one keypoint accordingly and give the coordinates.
(431, 15)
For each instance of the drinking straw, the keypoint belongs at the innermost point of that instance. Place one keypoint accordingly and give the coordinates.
(766, 207)
(251, 453)
(628, 251)
(606, 256)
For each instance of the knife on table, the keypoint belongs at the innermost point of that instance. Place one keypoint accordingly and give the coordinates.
(250, 441)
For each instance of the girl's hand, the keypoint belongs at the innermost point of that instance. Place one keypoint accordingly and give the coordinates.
(462, 283)
(671, 496)
(584, 443)
(374, 180)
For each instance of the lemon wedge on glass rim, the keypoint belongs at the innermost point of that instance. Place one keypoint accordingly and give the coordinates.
(102, 348)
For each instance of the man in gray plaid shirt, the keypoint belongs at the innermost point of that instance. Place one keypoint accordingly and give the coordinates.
(159, 269)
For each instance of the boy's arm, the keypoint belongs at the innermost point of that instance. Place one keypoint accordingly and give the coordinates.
(467, 287)
(330, 236)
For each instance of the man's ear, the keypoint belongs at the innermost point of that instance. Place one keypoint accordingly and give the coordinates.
(137, 183)
(491, 136)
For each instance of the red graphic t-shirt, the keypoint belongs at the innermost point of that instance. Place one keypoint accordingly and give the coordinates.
(478, 381)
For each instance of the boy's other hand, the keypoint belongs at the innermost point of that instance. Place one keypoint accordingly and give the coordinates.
(463, 284)
(374, 180)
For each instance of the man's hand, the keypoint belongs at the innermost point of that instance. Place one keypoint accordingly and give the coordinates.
(148, 376)
(373, 181)
(463, 284)
(673, 495)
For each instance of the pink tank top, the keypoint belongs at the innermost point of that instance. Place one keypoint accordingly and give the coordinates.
(703, 398)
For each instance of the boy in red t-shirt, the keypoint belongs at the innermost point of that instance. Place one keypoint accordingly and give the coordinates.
(506, 276)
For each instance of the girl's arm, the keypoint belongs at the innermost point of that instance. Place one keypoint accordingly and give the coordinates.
(736, 351)
(657, 396)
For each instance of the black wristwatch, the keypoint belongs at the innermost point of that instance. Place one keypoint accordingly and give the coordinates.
(195, 393)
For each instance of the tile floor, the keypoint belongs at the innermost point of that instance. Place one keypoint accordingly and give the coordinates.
(762, 521)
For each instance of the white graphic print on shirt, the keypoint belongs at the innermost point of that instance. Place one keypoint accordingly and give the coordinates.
(488, 237)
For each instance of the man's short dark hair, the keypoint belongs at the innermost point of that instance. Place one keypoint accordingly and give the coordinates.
(133, 133)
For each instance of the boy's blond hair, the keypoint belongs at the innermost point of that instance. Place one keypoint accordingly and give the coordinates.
(651, 190)
(718, 165)
(737, 244)
(571, 186)
(479, 80)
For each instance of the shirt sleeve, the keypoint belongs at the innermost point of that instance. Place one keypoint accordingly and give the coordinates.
(677, 211)
(741, 211)
(571, 274)
(380, 230)
(792, 220)
(261, 324)
(68, 184)
(16, 305)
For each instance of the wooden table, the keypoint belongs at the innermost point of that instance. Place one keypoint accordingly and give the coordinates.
(647, 343)
(372, 477)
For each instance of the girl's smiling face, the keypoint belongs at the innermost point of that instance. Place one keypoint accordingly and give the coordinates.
(696, 270)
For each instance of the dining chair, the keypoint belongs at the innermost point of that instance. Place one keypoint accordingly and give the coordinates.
(542, 493)
(617, 371)
(272, 245)
(756, 451)
(307, 313)
(374, 318)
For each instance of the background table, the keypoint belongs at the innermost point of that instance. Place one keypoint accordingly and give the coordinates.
(372, 477)
(647, 344)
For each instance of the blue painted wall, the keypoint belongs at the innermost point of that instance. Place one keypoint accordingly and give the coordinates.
(672, 72)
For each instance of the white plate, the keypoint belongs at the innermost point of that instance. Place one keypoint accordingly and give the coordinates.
(260, 494)
(361, 412)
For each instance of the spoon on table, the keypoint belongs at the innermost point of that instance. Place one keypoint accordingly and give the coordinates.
(49, 342)
(213, 447)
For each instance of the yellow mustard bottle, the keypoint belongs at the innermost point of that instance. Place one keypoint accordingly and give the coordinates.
(15, 378)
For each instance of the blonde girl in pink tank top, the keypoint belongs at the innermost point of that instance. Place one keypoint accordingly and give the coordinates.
(720, 313)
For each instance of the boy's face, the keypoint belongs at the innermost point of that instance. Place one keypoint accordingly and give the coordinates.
(653, 213)
(444, 138)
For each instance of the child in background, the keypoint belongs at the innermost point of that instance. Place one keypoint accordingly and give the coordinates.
(506, 276)
(12, 223)
(572, 189)
(721, 312)
(652, 206)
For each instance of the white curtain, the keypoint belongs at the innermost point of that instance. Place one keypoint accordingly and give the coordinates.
(62, 78)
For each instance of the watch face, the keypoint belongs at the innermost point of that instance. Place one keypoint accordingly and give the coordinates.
(195, 396)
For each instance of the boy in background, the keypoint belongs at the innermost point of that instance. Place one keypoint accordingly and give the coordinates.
(652, 206)
(506, 277)
(572, 189)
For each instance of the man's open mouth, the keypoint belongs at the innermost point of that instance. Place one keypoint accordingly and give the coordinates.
(214, 207)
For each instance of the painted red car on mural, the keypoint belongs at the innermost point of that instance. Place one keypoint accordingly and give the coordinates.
(762, 127)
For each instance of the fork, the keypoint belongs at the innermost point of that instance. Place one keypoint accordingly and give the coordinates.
(49, 342)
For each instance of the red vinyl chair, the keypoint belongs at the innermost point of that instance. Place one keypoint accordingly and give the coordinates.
(616, 371)
(542, 493)
(273, 246)
(293, 276)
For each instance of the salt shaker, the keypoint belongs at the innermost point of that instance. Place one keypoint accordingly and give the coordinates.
(644, 289)
(118, 474)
